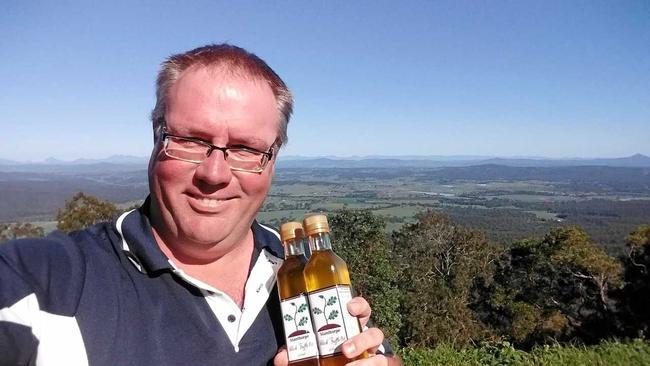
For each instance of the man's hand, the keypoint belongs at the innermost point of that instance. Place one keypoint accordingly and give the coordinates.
(369, 340)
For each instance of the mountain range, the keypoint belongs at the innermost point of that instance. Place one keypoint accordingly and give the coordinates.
(130, 163)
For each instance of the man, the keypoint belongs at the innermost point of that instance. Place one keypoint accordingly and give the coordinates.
(189, 278)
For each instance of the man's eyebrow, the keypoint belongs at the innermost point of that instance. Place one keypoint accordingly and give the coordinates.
(190, 135)
(249, 142)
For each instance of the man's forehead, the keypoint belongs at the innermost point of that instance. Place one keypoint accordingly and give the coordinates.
(223, 73)
(223, 85)
(230, 92)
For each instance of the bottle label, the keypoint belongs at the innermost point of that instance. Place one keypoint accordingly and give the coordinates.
(332, 321)
(298, 330)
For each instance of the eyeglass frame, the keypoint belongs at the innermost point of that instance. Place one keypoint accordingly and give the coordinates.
(211, 148)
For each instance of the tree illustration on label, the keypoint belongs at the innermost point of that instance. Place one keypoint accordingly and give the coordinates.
(332, 315)
(303, 320)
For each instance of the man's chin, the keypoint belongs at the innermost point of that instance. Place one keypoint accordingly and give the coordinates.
(205, 239)
(210, 232)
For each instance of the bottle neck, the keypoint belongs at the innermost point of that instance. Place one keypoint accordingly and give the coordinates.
(320, 241)
(293, 247)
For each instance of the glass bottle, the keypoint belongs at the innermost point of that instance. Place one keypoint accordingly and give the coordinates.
(296, 317)
(330, 290)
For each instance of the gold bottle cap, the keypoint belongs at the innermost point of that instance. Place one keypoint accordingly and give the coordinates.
(291, 230)
(315, 224)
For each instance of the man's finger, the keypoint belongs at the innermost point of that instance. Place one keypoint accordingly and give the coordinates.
(369, 340)
(378, 360)
(360, 308)
(282, 357)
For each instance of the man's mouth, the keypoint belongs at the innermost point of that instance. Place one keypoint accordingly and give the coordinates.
(207, 204)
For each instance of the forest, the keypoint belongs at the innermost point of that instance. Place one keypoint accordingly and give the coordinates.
(435, 283)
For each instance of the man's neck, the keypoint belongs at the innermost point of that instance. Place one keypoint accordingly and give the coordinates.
(226, 270)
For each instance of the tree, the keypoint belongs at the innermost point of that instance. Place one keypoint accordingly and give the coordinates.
(359, 238)
(440, 261)
(84, 210)
(586, 261)
(19, 230)
(556, 288)
(635, 299)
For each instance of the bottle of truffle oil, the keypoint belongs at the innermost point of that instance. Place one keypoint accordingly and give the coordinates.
(330, 290)
(296, 317)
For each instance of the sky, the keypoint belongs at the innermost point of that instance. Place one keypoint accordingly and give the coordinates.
(490, 78)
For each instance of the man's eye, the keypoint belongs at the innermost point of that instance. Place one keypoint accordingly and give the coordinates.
(187, 143)
(243, 154)
(241, 147)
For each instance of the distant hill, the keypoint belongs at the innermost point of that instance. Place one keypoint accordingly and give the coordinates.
(118, 163)
(115, 163)
(7, 162)
(115, 159)
(634, 161)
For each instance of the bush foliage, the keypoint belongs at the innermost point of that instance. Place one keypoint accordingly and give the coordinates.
(19, 230)
(439, 262)
(359, 238)
(83, 210)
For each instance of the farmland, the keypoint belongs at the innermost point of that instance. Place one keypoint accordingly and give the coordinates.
(507, 209)
(506, 202)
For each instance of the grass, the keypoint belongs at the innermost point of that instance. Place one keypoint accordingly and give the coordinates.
(608, 353)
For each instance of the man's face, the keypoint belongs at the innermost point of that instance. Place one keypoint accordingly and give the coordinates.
(208, 207)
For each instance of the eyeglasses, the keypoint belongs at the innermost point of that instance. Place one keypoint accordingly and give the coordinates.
(194, 150)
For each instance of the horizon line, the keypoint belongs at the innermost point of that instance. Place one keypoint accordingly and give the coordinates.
(50, 160)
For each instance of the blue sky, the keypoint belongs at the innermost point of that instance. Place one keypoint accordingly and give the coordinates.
(494, 78)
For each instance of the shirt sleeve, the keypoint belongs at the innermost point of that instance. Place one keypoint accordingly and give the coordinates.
(40, 287)
(18, 345)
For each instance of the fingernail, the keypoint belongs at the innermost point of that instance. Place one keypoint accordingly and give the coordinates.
(349, 348)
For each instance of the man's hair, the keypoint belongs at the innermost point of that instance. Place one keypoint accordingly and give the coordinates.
(228, 57)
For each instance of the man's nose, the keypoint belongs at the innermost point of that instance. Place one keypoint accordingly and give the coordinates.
(214, 170)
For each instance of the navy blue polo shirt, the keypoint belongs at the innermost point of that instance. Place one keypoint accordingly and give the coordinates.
(107, 295)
